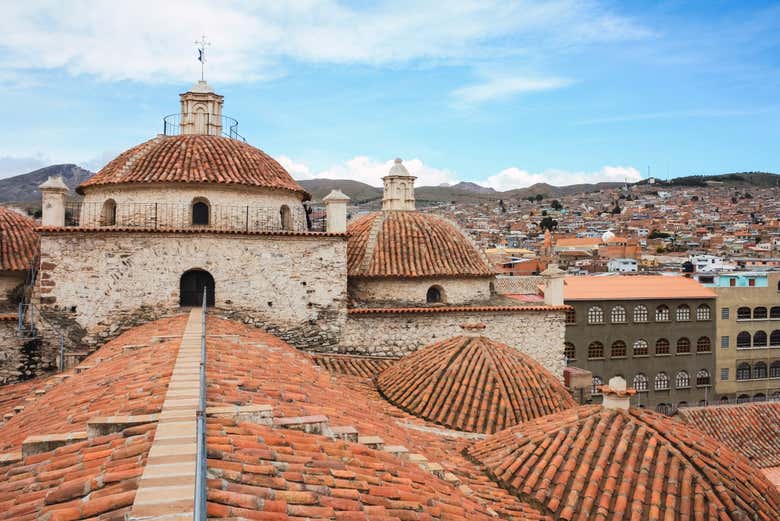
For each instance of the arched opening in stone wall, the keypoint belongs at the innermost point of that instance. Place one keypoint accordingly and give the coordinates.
(200, 212)
(108, 213)
(286, 217)
(191, 287)
(435, 294)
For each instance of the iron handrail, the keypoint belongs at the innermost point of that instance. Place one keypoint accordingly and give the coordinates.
(200, 513)
(228, 127)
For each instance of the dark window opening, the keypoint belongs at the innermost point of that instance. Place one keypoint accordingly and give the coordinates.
(200, 214)
(191, 288)
(434, 295)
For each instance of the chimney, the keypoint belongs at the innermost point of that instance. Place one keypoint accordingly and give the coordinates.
(553, 285)
(336, 211)
(53, 193)
(399, 188)
(616, 396)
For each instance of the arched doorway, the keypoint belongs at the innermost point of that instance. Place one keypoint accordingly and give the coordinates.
(191, 288)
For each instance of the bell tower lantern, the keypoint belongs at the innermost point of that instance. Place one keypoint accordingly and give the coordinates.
(399, 188)
(201, 110)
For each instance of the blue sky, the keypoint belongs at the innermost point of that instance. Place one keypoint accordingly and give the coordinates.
(501, 93)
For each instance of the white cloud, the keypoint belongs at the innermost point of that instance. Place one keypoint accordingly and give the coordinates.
(503, 87)
(149, 40)
(15, 165)
(511, 178)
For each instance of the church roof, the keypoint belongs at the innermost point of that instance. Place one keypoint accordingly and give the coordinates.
(592, 463)
(18, 241)
(411, 244)
(474, 384)
(195, 158)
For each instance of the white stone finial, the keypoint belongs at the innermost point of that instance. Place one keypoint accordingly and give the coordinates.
(616, 394)
(53, 193)
(553, 285)
(336, 211)
(399, 188)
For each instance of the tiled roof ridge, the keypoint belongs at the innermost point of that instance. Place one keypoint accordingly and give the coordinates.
(376, 226)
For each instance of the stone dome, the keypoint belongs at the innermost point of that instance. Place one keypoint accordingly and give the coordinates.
(474, 384)
(592, 462)
(195, 158)
(18, 241)
(411, 244)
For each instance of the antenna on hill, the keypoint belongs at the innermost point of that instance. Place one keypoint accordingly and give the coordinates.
(202, 44)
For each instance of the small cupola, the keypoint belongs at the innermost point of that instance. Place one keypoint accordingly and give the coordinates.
(399, 188)
(201, 110)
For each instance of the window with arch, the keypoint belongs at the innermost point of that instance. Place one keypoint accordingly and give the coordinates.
(774, 338)
(776, 396)
(683, 313)
(108, 213)
(661, 382)
(285, 217)
(618, 349)
(435, 294)
(640, 348)
(569, 351)
(743, 398)
(743, 339)
(640, 382)
(724, 400)
(703, 312)
(682, 404)
(200, 212)
(595, 315)
(743, 313)
(774, 369)
(617, 315)
(743, 371)
(759, 370)
(759, 397)
(703, 344)
(682, 380)
(662, 313)
(759, 339)
(702, 378)
(597, 383)
(640, 313)
(683, 345)
(664, 408)
(662, 346)
(596, 350)
(774, 312)
(571, 315)
(759, 312)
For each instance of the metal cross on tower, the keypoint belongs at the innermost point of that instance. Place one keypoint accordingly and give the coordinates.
(202, 44)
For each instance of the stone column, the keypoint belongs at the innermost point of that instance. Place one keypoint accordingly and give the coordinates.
(336, 211)
(553, 285)
(53, 193)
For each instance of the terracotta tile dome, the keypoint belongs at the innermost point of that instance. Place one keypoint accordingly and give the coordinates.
(411, 244)
(592, 463)
(18, 241)
(195, 158)
(474, 384)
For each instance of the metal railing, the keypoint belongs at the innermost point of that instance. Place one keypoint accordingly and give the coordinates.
(208, 217)
(202, 123)
(200, 463)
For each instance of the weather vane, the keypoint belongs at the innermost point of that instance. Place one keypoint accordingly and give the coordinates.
(202, 44)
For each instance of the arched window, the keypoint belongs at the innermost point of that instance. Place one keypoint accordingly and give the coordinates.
(662, 313)
(774, 370)
(661, 382)
(285, 216)
(662, 346)
(640, 383)
(724, 400)
(191, 287)
(435, 294)
(776, 396)
(774, 312)
(774, 338)
(759, 312)
(618, 349)
(571, 315)
(595, 315)
(702, 378)
(682, 380)
(108, 213)
(569, 351)
(743, 339)
(743, 313)
(683, 346)
(743, 371)
(200, 212)
(759, 339)
(640, 313)
(664, 408)
(703, 345)
(597, 383)
(759, 397)
(759, 370)
(682, 404)
(640, 348)
(703, 312)
(743, 398)
(617, 315)
(683, 313)
(596, 350)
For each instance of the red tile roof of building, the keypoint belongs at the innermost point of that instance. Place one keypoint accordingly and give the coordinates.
(474, 384)
(411, 244)
(455, 309)
(195, 158)
(18, 241)
(634, 287)
(752, 429)
(363, 366)
(593, 463)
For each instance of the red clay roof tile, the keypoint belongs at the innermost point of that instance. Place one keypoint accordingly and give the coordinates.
(18, 241)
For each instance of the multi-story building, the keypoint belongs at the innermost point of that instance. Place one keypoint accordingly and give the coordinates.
(748, 328)
(657, 332)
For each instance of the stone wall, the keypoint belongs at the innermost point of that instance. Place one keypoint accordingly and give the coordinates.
(9, 280)
(20, 358)
(414, 291)
(95, 284)
(540, 334)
